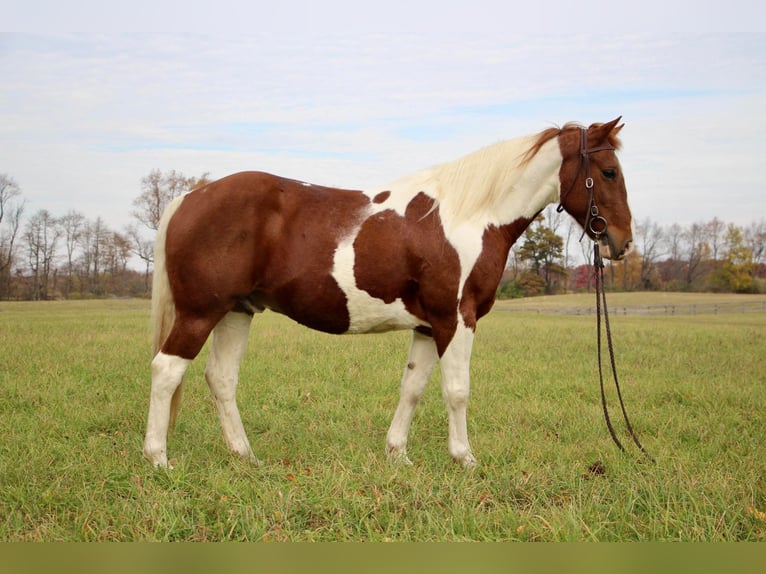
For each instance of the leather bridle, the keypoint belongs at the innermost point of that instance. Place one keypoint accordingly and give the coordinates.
(594, 222)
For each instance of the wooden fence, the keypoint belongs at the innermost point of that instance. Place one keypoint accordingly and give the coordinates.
(680, 309)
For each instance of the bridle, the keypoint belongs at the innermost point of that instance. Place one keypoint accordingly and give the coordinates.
(597, 224)
(594, 222)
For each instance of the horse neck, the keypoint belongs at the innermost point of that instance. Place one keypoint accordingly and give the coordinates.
(494, 186)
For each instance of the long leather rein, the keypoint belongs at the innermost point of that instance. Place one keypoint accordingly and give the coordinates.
(597, 225)
(598, 272)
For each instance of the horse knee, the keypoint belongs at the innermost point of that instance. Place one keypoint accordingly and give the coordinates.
(456, 397)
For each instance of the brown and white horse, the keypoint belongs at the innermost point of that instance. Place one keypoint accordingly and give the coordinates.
(424, 253)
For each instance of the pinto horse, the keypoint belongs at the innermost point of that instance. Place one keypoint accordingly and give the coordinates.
(425, 253)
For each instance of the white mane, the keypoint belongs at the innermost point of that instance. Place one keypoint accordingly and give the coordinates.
(492, 184)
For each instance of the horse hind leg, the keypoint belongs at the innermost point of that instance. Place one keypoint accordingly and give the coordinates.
(420, 363)
(186, 338)
(222, 373)
(167, 374)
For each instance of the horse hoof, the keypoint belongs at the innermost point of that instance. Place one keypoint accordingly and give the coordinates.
(469, 461)
(157, 459)
(398, 456)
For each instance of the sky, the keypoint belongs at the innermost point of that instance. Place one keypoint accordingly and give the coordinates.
(336, 95)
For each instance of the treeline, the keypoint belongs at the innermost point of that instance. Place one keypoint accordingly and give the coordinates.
(47, 256)
(706, 256)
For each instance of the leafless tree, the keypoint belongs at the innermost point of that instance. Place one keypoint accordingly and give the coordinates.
(42, 234)
(157, 190)
(648, 241)
(696, 250)
(71, 228)
(715, 233)
(143, 249)
(755, 240)
(11, 210)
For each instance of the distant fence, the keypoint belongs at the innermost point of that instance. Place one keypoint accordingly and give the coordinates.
(670, 309)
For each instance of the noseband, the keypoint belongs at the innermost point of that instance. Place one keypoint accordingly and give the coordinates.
(594, 222)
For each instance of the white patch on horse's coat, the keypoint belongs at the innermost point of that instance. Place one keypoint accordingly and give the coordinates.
(367, 314)
(401, 195)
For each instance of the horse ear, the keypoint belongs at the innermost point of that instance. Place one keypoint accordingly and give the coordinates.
(603, 131)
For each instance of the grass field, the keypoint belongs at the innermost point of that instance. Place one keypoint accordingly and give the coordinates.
(74, 383)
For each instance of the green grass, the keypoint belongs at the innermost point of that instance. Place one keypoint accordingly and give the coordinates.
(74, 383)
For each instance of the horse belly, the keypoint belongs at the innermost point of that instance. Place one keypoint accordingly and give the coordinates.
(370, 315)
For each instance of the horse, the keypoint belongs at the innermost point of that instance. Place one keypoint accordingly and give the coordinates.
(425, 253)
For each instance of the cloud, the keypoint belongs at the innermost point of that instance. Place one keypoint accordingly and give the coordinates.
(85, 117)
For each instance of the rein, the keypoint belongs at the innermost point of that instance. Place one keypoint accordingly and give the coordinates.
(597, 225)
(598, 271)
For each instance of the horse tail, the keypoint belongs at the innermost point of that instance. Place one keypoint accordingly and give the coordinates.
(163, 306)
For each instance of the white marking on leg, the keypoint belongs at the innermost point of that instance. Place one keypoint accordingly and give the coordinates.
(167, 373)
(455, 365)
(421, 361)
(222, 373)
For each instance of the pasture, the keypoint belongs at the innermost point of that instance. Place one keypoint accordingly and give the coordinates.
(74, 385)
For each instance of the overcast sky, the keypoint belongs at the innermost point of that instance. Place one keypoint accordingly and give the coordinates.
(356, 99)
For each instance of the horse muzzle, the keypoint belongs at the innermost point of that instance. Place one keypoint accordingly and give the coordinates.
(610, 249)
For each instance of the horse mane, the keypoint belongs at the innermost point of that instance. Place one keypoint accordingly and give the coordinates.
(473, 185)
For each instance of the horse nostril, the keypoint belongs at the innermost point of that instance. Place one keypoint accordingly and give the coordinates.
(627, 247)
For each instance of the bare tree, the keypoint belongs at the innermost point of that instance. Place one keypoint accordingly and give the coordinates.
(157, 190)
(41, 234)
(649, 238)
(116, 253)
(11, 211)
(755, 240)
(715, 233)
(9, 189)
(92, 241)
(71, 228)
(143, 248)
(696, 251)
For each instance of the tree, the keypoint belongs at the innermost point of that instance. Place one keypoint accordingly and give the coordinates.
(714, 233)
(11, 211)
(71, 226)
(41, 234)
(157, 190)
(93, 240)
(736, 271)
(755, 240)
(542, 248)
(648, 242)
(696, 251)
(143, 249)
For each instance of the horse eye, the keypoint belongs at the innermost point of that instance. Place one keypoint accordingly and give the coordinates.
(610, 173)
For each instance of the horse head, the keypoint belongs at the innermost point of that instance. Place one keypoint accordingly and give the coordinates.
(593, 187)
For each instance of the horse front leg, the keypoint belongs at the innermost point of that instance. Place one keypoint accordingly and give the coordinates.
(420, 363)
(455, 365)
